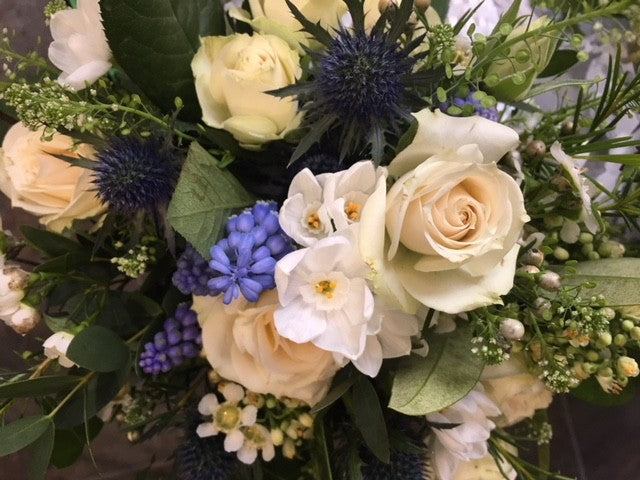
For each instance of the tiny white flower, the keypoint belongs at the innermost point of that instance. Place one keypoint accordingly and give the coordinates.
(325, 285)
(256, 438)
(56, 347)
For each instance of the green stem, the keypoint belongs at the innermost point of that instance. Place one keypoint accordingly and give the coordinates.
(85, 380)
(154, 119)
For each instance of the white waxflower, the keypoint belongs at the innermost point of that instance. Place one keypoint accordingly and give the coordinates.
(56, 347)
(79, 46)
(256, 437)
(317, 206)
(467, 441)
(325, 285)
(227, 417)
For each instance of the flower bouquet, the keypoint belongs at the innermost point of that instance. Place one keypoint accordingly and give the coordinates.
(326, 239)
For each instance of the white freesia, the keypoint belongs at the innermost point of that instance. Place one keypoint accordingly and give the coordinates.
(325, 285)
(79, 46)
(56, 347)
(241, 343)
(318, 205)
(233, 73)
(516, 392)
(452, 218)
(467, 441)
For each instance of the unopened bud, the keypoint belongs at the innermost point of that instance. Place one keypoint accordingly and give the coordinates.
(567, 128)
(536, 149)
(541, 305)
(533, 257)
(289, 449)
(530, 269)
(512, 329)
(306, 420)
(560, 183)
(277, 437)
(628, 366)
(133, 436)
(634, 332)
(550, 281)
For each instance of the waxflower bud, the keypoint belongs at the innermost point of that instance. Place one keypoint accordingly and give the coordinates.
(289, 449)
(620, 340)
(530, 269)
(533, 257)
(634, 332)
(550, 281)
(512, 329)
(277, 437)
(628, 366)
(536, 149)
(516, 70)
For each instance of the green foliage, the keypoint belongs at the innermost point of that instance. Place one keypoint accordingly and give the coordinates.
(69, 444)
(98, 349)
(22, 433)
(41, 454)
(561, 61)
(590, 391)
(155, 41)
(50, 243)
(342, 382)
(37, 387)
(424, 385)
(369, 418)
(617, 279)
(204, 199)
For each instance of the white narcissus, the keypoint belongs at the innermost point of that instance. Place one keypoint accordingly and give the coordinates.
(452, 218)
(233, 73)
(467, 441)
(316, 206)
(325, 285)
(79, 46)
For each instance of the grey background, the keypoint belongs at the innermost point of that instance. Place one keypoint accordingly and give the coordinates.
(589, 442)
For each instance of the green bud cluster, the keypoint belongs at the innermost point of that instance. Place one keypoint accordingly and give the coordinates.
(137, 259)
(54, 6)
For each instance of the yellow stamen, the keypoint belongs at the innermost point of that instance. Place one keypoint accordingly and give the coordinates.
(314, 222)
(353, 211)
(326, 288)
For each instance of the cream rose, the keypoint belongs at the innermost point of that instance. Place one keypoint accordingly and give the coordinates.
(327, 12)
(37, 181)
(242, 344)
(452, 217)
(517, 393)
(231, 75)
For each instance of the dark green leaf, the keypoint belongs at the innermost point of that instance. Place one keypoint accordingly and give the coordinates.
(424, 385)
(64, 263)
(509, 16)
(22, 433)
(52, 244)
(561, 61)
(618, 279)
(204, 199)
(369, 418)
(341, 384)
(320, 451)
(441, 6)
(407, 137)
(37, 387)
(98, 349)
(590, 391)
(69, 444)
(41, 454)
(155, 41)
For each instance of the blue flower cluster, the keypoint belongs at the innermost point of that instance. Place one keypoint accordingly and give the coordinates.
(476, 107)
(244, 262)
(192, 273)
(180, 340)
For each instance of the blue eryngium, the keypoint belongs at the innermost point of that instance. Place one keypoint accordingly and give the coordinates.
(136, 174)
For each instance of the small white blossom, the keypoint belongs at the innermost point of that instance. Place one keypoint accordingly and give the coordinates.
(56, 347)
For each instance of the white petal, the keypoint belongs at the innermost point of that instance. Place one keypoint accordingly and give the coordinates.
(300, 322)
(233, 441)
(249, 415)
(247, 454)
(370, 361)
(206, 430)
(208, 404)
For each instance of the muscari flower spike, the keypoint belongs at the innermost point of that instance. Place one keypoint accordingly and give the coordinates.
(136, 174)
(244, 262)
(193, 273)
(362, 82)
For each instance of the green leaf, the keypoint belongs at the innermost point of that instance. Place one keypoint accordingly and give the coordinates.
(424, 385)
(549, 86)
(204, 199)
(617, 279)
(369, 418)
(98, 349)
(22, 433)
(441, 6)
(69, 444)
(561, 61)
(41, 454)
(320, 451)
(154, 41)
(52, 244)
(341, 385)
(37, 387)
(591, 392)
(407, 137)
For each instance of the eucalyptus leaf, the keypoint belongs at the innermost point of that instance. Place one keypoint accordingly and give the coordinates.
(52, 244)
(341, 385)
(204, 199)
(41, 454)
(617, 279)
(37, 387)
(320, 450)
(369, 419)
(154, 41)
(98, 349)
(69, 444)
(424, 385)
(22, 433)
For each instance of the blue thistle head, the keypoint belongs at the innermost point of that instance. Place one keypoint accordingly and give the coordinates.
(363, 85)
(403, 466)
(203, 458)
(136, 174)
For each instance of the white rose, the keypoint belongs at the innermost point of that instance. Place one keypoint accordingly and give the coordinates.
(231, 75)
(242, 344)
(327, 12)
(37, 181)
(79, 46)
(452, 217)
(517, 393)
(56, 347)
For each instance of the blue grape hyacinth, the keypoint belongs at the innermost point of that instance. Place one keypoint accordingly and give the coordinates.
(179, 340)
(193, 273)
(244, 262)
